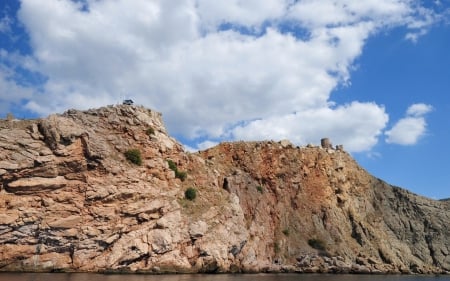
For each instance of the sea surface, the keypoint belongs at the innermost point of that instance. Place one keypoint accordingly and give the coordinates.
(210, 277)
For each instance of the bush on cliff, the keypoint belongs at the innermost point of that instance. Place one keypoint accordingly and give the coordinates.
(178, 174)
(134, 156)
(190, 193)
(260, 189)
(150, 131)
(317, 244)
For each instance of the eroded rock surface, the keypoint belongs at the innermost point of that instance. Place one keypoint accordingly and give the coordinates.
(71, 201)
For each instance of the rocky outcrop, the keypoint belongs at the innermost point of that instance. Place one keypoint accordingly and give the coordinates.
(71, 201)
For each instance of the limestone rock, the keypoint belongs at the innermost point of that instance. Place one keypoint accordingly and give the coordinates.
(160, 241)
(28, 185)
(68, 222)
(198, 229)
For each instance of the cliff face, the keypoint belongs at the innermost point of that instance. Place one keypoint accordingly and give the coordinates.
(71, 201)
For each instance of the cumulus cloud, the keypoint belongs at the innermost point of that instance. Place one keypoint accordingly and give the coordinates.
(419, 109)
(11, 94)
(13, 86)
(408, 130)
(216, 69)
(357, 125)
(250, 13)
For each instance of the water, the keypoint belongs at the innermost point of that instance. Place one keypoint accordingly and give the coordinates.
(204, 277)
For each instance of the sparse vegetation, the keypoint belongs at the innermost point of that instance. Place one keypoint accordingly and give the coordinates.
(178, 174)
(190, 193)
(172, 165)
(317, 244)
(150, 131)
(276, 247)
(260, 189)
(134, 156)
(286, 231)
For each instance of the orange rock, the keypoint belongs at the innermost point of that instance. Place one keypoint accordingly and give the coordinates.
(69, 200)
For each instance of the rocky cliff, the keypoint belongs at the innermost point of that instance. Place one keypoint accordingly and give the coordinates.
(71, 201)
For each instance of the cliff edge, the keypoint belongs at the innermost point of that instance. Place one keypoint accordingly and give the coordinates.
(105, 190)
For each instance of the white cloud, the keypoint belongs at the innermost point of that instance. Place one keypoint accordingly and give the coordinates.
(174, 57)
(13, 86)
(347, 12)
(420, 23)
(206, 144)
(408, 130)
(250, 13)
(419, 109)
(356, 125)
(11, 94)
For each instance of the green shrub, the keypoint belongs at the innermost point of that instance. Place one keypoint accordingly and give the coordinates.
(134, 156)
(178, 174)
(260, 189)
(190, 193)
(150, 131)
(317, 244)
(172, 165)
(276, 247)
(286, 231)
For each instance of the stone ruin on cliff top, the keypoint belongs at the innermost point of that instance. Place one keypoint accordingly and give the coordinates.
(326, 143)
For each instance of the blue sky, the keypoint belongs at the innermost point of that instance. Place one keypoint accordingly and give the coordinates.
(401, 74)
(372, 75)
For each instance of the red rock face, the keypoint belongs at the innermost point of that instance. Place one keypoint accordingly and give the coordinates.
(70, 200)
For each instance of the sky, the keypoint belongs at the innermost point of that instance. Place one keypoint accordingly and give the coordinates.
(373, 75)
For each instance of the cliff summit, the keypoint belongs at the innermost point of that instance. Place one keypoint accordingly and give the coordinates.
(107, 190)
